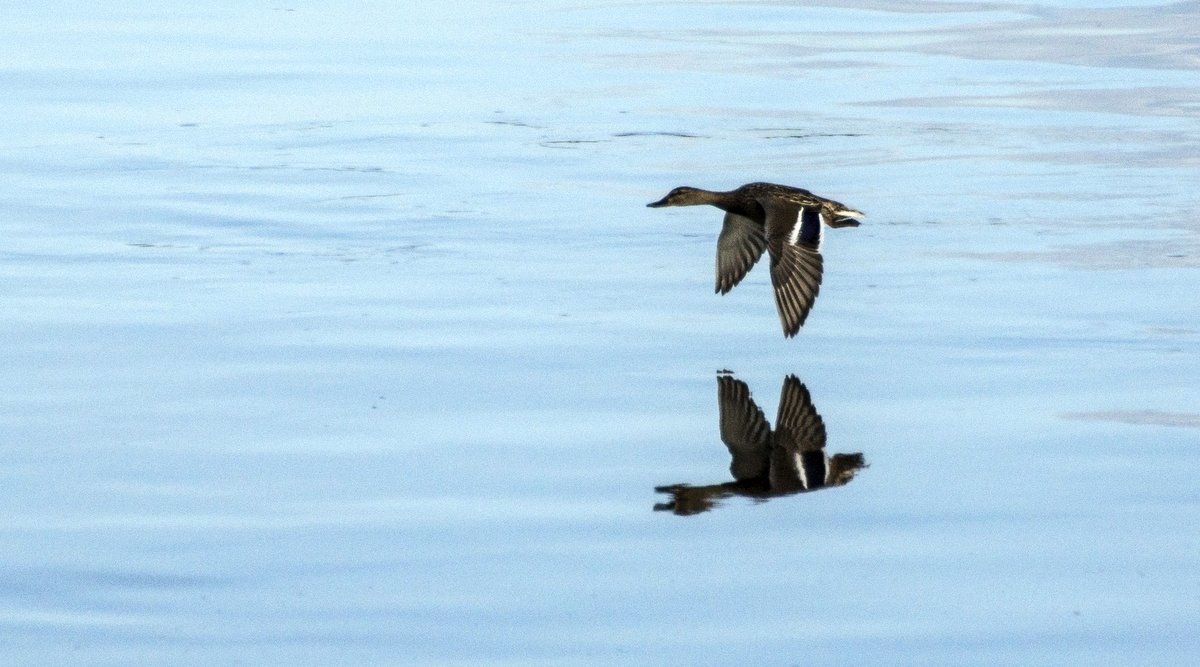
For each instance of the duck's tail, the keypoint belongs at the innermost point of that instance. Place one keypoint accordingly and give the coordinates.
(841, 216)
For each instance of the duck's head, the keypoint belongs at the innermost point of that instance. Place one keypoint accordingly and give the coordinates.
(683, 196)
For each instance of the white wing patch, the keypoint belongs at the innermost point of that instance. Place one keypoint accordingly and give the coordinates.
(807, 229)
(798, 458)
(794, 237)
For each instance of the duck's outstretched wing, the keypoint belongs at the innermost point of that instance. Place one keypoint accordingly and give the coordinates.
(798, 425)
(744, 429)
(741, 243)
(794, 235)
(798, 457)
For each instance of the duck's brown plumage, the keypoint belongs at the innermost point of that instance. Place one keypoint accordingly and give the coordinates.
(780, 219)
(766, 463)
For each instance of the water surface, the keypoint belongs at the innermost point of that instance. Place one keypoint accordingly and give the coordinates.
(341, 335)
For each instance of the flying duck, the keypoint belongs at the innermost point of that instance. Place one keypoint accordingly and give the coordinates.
(783, 220)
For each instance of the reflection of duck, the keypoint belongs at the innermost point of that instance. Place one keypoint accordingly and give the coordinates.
(765, 464)
(779, 218)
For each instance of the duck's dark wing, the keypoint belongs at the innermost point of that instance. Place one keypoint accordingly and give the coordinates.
(798, 424)
(794, 240)
(798, 457)
(744, 429)
(741, 243)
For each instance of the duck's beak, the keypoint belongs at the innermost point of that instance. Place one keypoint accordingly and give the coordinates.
(658, 204)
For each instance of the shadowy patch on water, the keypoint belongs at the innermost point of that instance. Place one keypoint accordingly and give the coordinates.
(1138, 417)
(1117, 255)
(681, 135)
(1139, 101)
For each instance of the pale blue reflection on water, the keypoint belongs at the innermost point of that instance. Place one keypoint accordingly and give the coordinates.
(341, 335)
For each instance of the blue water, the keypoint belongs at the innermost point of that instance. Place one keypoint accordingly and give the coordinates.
(342, 335)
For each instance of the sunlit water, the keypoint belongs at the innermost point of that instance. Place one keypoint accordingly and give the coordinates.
(342, 335)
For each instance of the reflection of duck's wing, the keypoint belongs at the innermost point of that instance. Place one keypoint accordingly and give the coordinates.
(744, 429)
(798, 424)
(798, 458)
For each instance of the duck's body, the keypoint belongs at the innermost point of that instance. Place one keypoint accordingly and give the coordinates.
(783, 220)
(767, 463)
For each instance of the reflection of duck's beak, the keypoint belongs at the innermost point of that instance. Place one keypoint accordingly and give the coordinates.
(658, 204)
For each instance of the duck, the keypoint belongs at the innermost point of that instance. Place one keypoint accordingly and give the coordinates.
(766, 463)
(782, 220)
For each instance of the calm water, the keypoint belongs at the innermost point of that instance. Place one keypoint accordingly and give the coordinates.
(342, 335)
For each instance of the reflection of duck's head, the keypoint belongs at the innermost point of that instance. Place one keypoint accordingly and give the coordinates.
(765, 463)
(687, 500)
